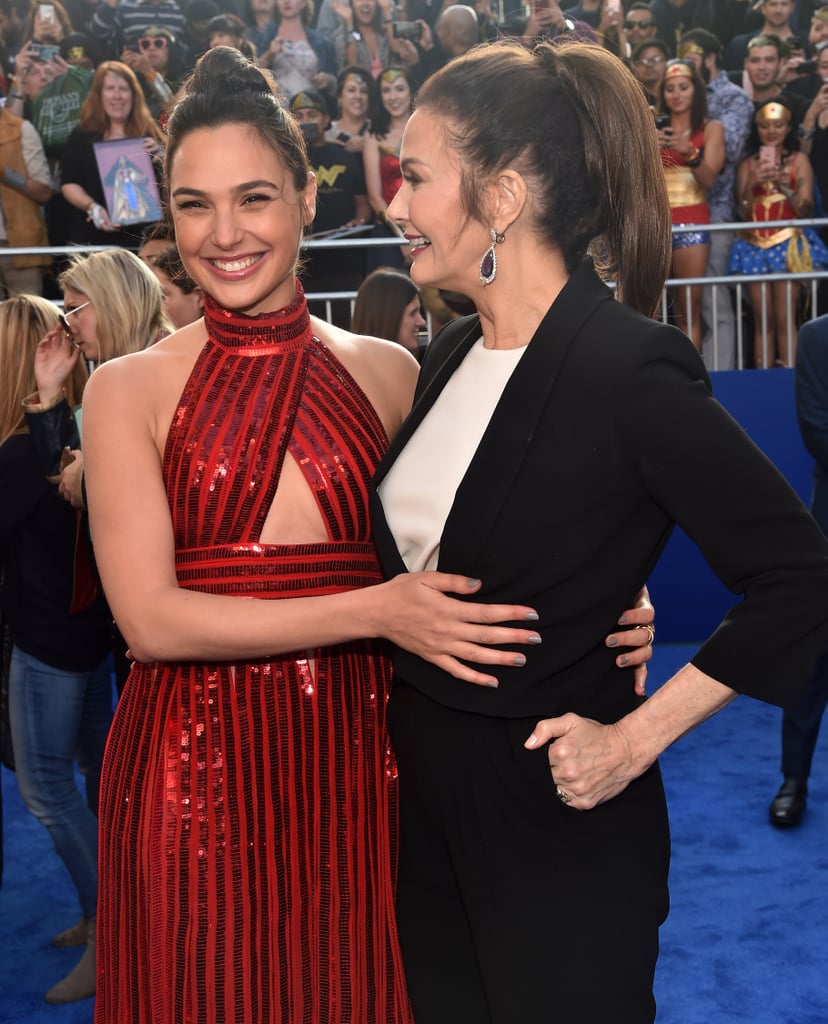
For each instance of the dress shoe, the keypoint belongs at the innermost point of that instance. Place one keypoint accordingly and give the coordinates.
(79, 983)
(77, 935)
(788, 806)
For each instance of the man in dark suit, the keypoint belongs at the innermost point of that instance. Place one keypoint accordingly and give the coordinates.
(800, 727)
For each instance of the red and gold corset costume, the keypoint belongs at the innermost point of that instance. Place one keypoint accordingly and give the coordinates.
(769, 204)
(688, 199)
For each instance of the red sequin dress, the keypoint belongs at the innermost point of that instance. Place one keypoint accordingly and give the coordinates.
(248, 817)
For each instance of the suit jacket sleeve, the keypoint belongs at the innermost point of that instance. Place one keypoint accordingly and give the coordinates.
(701, 467)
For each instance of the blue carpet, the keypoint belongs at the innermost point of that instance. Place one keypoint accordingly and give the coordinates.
(746, 939)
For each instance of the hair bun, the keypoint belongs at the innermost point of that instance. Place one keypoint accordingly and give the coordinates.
(225, 70)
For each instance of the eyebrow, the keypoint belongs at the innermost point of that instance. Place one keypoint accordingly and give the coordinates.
(245, 186)
(411, 161)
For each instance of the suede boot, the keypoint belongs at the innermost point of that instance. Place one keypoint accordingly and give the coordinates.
(74, 936)
(79, 983)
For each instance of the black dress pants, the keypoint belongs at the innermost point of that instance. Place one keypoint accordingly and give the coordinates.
(513, 907)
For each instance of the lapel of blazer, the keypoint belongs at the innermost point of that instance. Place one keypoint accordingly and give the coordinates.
(502, 449)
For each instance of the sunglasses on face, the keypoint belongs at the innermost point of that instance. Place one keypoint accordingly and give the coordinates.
(643, 25)
(64, 317)
(148, 42)
(649, 61)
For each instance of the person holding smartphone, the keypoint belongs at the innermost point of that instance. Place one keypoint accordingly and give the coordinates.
(775, 182)
(692, 155)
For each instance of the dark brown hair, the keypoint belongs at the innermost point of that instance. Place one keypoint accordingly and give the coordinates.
(698, 108)
(227, 88)
(381, 301)
(573, 120)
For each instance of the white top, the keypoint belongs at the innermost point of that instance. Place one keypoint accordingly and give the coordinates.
(418, 492)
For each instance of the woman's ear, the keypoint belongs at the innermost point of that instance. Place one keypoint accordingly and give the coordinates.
(508, 197)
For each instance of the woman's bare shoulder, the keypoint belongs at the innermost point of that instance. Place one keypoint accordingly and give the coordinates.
(385, 371)
(151, 380)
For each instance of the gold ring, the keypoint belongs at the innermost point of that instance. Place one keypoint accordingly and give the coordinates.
(565, 798)
(651, 630)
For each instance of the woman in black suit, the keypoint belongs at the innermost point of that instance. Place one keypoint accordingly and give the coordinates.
(573, 433)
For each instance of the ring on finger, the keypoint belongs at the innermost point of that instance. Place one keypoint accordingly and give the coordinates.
(565, 798)
(651, 630)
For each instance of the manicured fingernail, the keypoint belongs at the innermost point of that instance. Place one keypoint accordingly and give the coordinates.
(622, 620)
(531, 616)
(519, 660)
(612, 641)
(535, 638)
(493, 683)
(623, 660)
(472, 583)
(532, 741)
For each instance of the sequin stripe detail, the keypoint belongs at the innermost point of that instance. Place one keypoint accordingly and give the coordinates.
(224, 471)
(284, 329)
(307, 935)
(340, 483)
(253, 571)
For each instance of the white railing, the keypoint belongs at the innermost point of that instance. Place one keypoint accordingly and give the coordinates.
(726, 288)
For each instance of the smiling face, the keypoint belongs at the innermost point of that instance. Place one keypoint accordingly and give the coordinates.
(116, 98)
(396, 96)
(354, 98)
(762, 66)
(238, 217)
(83, 323)
(818, 32)
(446, 245)
(364, 11)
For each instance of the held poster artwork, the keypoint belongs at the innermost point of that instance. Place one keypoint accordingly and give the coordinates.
(128, 181)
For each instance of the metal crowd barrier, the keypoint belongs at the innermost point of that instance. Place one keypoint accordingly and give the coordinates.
(719, 353)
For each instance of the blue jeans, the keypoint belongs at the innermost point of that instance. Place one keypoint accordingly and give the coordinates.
(57, 717)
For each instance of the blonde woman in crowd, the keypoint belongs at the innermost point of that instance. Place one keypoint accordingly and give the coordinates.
(60, 693)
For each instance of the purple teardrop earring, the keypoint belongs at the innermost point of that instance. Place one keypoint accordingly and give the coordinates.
(488, 265)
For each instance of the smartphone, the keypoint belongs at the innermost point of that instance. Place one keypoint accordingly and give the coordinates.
(47, 12)
(43, 51)
(807, 67)
(767, 156)
(662, 121)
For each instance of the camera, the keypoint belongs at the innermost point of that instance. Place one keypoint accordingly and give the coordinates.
(662, 121)
(410, 30)
(807, 67)
(43, 51)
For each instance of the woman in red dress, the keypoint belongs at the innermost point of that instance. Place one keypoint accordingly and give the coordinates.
(692, 154)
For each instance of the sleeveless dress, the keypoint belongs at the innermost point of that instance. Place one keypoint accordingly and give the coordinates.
(688, 200)
(775, 250)
(248, 817)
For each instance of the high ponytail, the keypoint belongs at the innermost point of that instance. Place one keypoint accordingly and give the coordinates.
(621, 153)
(573, 120)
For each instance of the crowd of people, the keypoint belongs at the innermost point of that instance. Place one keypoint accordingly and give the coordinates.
(270, 855)
(79, 75)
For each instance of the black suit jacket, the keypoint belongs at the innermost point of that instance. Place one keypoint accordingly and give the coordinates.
(605, 436)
